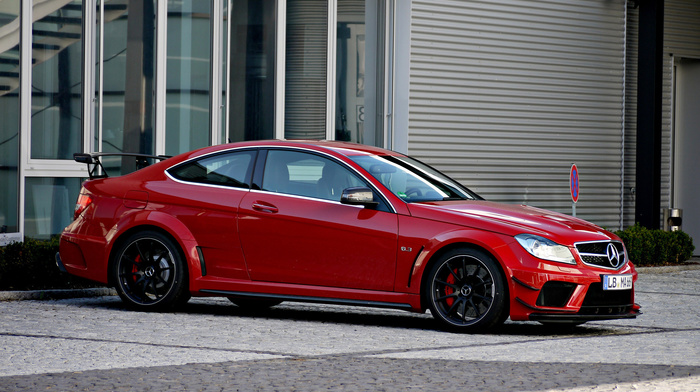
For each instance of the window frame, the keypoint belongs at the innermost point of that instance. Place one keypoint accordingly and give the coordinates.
(248, 178)
(261, 164)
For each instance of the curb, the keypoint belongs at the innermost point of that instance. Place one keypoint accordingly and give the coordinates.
(668, 269)
(55, 294)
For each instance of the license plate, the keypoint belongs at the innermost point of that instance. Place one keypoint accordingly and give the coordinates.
(617, 282)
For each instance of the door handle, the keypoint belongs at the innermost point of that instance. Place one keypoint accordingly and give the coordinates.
(257, 206)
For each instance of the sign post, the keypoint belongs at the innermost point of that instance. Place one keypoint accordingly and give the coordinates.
(573, 186)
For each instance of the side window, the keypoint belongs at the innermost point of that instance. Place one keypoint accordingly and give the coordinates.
(230, 169)
(310, 175)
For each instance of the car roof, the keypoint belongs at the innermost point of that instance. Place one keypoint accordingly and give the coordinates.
(342, 148)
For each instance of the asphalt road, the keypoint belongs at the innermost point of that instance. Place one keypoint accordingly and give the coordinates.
(211, 345)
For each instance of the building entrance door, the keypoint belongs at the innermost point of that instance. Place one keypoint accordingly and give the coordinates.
(686, 182)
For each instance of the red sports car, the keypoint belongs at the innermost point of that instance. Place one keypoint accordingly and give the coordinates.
(316, 221)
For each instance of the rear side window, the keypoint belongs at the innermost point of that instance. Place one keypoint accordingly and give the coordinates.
(231, 169)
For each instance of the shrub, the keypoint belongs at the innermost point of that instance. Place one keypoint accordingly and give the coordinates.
(647, 247)
(31, 265)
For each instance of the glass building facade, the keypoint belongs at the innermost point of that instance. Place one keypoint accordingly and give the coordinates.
(166, 77)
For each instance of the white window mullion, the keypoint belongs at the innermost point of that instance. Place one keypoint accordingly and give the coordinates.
(227, 71)
(25, 103)
(161, 62)
(330, 68)
(389, 74)
(280, 67)
(216, 68)
(101, 67)
(88, 75)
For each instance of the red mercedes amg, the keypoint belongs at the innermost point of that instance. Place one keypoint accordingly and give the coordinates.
(271, 221)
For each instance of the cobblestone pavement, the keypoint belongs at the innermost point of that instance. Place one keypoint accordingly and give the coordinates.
(96, 344)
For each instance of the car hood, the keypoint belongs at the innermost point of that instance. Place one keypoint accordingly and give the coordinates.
(512, 220)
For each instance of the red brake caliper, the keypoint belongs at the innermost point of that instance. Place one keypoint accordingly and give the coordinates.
(448, 289)
(134, 269)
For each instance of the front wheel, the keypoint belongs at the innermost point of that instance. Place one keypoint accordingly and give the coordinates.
(149, 272)
(465, 291)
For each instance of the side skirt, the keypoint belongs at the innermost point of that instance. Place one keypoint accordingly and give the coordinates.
(321, 300)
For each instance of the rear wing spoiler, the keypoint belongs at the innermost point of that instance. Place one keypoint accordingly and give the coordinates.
(95, 168)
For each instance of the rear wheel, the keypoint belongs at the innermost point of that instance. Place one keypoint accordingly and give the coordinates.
(150, 273)
(465, 291)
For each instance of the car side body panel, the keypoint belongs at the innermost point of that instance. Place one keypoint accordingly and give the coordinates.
(300, 240)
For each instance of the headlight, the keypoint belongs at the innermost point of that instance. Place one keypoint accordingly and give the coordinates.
(543, 248)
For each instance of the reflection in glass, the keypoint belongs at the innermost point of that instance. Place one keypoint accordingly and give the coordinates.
(358, 53)
(9, 114)
(49, 205)
(56, 80)
(123, 63)
(127, 112)
(188, 76)
(252, 85)
(306, 64)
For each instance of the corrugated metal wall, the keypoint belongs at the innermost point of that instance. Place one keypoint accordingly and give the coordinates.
(505, 96)
(631, 116)
(682, 28)
(681, 40)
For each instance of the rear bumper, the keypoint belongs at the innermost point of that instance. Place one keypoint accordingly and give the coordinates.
(71, 258)
(59, 263)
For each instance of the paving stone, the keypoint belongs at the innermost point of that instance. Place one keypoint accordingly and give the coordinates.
(211, 345)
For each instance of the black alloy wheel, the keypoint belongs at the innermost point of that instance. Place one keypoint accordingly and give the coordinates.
(149, 272)
(465, 291)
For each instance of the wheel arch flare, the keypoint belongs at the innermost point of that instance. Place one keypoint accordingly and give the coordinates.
(163, 223)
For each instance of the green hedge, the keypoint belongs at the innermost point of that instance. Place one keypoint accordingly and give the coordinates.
(647, 247)
(31, 265)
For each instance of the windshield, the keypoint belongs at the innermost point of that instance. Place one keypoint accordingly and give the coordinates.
(412, 180)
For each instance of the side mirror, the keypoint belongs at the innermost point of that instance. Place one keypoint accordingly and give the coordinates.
(358, 196)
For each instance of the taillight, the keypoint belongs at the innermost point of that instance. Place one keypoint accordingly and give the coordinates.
(83, 202)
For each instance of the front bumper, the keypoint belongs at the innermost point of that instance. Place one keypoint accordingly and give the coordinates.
(553, 292)
(581, 318)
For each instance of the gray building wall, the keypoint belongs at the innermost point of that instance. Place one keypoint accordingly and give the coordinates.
(681, 40)
(505, 96)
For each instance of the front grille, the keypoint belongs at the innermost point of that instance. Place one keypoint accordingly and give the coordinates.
(602, 302)
(603, 254)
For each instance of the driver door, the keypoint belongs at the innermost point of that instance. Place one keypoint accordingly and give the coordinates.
(295, 230)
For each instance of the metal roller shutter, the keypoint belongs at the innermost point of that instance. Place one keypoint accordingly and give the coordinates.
(505, 96)
(306, 60)
(630, 164)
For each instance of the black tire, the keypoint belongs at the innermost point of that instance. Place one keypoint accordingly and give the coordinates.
(253, 304)
(465, 291)
(149, 272)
